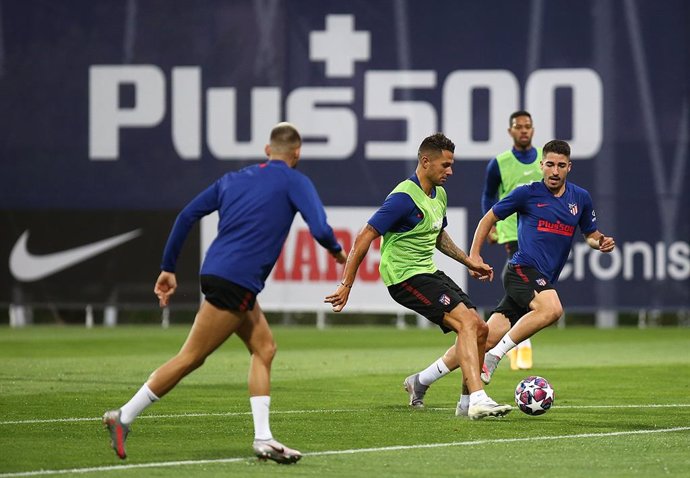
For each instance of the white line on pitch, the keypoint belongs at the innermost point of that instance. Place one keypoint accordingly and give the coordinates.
(182, 415)
(289, 412)
(168, 464)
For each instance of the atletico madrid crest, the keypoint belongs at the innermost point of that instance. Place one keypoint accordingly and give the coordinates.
(573, 209)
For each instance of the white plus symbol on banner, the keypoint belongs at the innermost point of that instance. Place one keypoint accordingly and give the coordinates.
(339, 46)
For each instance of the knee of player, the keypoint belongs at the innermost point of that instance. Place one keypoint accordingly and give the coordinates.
(557, 313)
(464, 320)
(266, 350)
(272, 349)
(554, 312)
(548, 306)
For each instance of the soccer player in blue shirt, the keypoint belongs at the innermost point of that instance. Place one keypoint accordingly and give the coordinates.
(548, 211)
(256, 206)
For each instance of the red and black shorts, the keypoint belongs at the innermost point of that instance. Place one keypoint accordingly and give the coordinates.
(520, 284)
(430, 295)
(226, 295)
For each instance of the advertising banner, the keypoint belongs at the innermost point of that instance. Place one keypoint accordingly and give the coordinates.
(73, 258)
(305, 273)
(119, 111)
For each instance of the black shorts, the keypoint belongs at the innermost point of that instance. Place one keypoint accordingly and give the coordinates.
(520, 284)
(430, 295)
(225, 294)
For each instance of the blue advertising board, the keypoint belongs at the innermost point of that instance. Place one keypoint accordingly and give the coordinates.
(136, 106)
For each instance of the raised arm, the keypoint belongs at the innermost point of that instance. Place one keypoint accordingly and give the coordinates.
(363, 241)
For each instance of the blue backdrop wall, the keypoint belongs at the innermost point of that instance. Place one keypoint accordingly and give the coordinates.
(115, 114)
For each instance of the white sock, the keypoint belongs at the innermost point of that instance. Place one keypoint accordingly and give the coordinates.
(527, 343)
(260, 408)
(503, 347)
(478, 396)
(137, 404)
(433, 372)
(464, 402)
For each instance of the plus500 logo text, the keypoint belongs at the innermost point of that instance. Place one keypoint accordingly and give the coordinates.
(325, 115)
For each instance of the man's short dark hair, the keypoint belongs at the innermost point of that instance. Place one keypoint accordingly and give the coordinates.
(518, 113)
(285, 137)
(436, 143)
(557, 146)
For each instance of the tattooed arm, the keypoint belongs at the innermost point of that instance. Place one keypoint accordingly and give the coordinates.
(445, 244)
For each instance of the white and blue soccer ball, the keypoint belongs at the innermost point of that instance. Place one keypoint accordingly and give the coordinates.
(534, 395)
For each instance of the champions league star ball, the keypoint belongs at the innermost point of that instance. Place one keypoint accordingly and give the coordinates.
(534, 395)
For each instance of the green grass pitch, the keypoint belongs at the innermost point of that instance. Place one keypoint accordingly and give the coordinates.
(622, 406)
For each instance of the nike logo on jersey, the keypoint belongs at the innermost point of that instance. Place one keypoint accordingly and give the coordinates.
(28, 267)
(527, 173)
(542, 204)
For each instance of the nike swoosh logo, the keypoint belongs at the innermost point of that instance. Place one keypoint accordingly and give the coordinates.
(527, 173)
(542, 204)
(27, 267)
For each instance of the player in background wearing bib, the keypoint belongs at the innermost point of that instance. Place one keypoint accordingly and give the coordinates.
(412, 221)
(256, 206)
(518, 166)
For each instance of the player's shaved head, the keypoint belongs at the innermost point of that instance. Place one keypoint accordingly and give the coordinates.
(285, 138)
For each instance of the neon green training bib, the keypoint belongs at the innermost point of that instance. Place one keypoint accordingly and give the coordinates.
(405, 254)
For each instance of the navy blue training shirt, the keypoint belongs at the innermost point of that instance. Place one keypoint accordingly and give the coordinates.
(256, 206)
(546, 224)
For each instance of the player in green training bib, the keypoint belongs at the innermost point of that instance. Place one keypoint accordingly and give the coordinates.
(412, 221)
(518, 166)
(408, 253)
